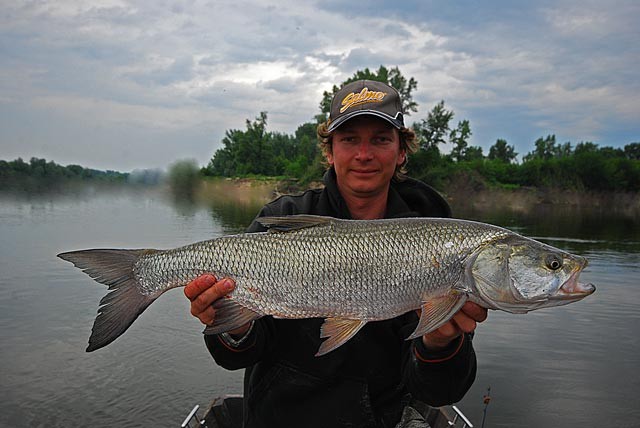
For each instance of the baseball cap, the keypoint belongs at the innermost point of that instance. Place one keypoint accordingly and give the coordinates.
(366, 97)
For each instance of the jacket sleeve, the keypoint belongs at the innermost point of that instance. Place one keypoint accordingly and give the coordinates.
(249, 352)
(440, 378)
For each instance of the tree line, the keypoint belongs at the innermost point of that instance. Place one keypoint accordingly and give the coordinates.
(40, 174)
(255, 151)
(585, 166)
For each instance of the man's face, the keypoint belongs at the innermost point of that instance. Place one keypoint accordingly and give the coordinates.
(366, 151)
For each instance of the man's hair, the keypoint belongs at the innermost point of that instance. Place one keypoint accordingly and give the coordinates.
(408, 143)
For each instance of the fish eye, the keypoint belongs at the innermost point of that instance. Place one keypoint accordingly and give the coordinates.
(553, 262)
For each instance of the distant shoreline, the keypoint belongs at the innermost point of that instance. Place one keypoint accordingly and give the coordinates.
(467, 199)
(462, 199)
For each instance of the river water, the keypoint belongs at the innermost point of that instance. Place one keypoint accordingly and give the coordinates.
(572, 366)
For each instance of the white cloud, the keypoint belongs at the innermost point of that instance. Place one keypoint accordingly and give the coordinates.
(110, 113)
(199, 68)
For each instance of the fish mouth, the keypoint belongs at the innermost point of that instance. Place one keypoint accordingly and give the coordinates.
(574, 290)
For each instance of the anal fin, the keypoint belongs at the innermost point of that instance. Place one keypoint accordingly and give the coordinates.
(337, 331)
(436, 312)
(229, 316)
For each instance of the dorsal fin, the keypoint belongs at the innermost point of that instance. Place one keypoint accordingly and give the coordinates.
(293, 222)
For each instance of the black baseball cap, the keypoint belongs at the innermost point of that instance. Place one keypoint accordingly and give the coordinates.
(364, 97)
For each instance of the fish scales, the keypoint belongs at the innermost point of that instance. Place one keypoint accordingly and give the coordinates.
(347, 271)
(358, 269)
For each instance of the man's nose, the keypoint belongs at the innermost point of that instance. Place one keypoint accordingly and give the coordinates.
(364, 150)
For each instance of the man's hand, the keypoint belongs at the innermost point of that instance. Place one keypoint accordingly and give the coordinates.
(203, 292)
(464, 321)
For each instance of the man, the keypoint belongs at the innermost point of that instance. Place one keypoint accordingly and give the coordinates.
(370, 379)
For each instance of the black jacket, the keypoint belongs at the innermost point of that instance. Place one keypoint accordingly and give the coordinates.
(365, 382)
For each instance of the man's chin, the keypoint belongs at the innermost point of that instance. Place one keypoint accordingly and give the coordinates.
(365, 188)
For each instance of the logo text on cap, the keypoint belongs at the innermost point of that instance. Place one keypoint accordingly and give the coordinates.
(364, 96)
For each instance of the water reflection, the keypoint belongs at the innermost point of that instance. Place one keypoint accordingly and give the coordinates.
(233, 217)
(184, 204)
(231, 208)
(586, 226)
(231, 204)
(234, 204)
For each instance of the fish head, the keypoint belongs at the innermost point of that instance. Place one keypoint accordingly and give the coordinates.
(518, 275)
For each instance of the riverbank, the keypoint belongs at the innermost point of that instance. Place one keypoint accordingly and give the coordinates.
(465, 200)
(624, 204)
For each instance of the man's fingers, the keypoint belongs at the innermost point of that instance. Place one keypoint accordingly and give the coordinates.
(474, 311)
(198, 285)
(203, 292)
(469, 316)
(207, 316)
(464, 322)
(448, 330)
(216, 291)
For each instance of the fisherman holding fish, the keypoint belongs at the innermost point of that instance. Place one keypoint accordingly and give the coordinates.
(368, 378)
(344, 304)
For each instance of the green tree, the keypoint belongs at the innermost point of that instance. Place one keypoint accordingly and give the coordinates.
(611, 152)
(223, 163)
(257, 151)
(392, 77)
(473, 153)
(253, 155)
(404, 87)
(585, 147)
(433, 130)
(5, 170)
(74, 170)
(563, 150)
(38, 167)
(632, 151)
(307, 140)
(42, 175)
(459, 138)
(545, 148)
(502, 151)
(244, 152)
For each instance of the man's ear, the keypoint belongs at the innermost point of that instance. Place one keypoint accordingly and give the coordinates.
(402, 157)
(330, 158)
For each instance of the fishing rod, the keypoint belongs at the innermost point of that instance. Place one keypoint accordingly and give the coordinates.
(486, 399)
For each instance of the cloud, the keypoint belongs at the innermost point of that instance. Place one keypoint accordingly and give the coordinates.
(153, 79)
(174, 71)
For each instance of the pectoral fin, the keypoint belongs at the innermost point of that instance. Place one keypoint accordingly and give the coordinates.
(436, 312)
(229, 316)
(337, 331)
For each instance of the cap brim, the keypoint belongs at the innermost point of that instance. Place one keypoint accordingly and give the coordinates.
(397, 123)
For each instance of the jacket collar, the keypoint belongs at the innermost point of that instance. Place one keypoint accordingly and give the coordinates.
(337, 203)
(407, 198)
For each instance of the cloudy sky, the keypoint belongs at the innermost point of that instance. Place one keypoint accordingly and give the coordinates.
(117, 84)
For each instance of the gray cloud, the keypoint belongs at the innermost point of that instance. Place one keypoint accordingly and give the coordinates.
(179, 70)
(120, 85)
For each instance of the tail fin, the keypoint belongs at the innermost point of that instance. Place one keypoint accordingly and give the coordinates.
(125, 301)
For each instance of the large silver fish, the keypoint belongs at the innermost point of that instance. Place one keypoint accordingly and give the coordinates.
(349, 272)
